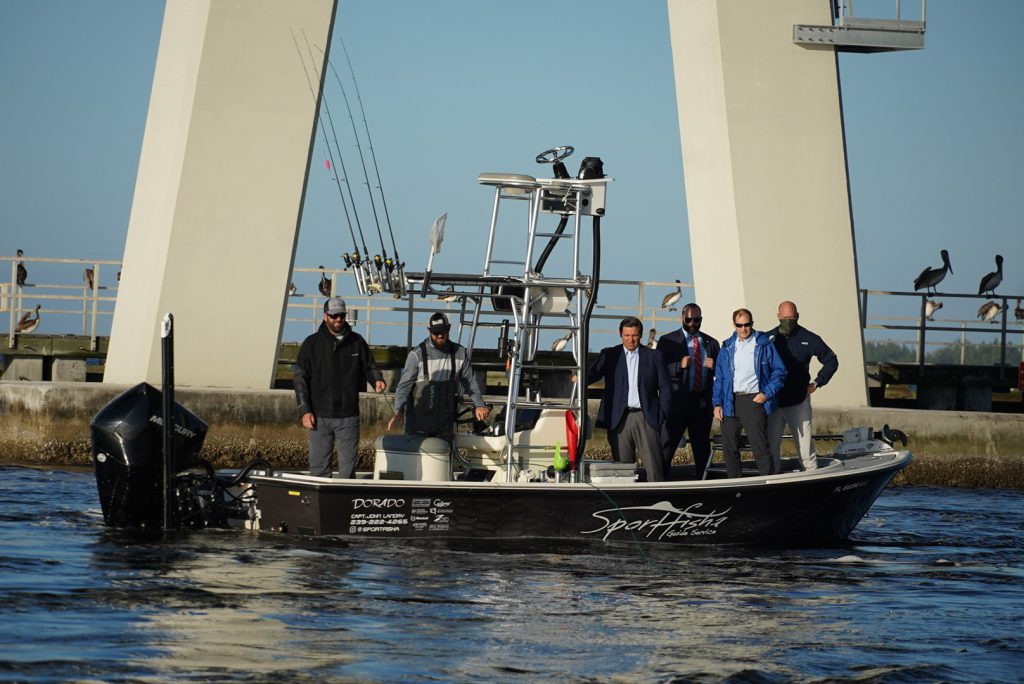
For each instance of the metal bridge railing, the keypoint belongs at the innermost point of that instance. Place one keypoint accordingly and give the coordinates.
(378, 315)
(900, 304)
(91, 303)
(60, 287)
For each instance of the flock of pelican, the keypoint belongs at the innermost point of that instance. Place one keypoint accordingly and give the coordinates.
(930, 277)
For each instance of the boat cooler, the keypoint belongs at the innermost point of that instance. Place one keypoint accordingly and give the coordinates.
(408, 457)
(608, 472)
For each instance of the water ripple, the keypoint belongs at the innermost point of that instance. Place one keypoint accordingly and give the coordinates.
(928, 588)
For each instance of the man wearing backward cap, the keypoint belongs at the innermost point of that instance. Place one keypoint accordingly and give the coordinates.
(435, 373)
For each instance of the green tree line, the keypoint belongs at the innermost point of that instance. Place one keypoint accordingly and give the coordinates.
(975, 354)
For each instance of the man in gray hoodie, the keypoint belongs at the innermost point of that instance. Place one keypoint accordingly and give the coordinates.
(436, 372)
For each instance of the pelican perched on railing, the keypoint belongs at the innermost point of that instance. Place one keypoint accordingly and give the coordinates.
(559, 344)
(325, 282)
(930, 277)
(989, 310)
(22, 275)
(28, 322)
(449, 295)
(990, 282)
(669, 302)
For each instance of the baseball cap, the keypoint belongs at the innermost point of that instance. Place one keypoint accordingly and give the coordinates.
(335, 306)
(439, 323)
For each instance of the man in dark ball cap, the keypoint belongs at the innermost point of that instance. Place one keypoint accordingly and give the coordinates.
(334, 365)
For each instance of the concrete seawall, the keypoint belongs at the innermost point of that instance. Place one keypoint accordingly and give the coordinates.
(47, 423)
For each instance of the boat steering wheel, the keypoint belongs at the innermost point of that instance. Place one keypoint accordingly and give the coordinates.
(555, 154)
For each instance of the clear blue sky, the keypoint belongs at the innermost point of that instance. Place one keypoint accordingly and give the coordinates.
(456, 87)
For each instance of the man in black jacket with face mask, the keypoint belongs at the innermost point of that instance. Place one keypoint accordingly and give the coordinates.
(334, 365)
(796, 347)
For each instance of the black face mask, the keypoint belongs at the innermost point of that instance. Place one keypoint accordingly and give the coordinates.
(788, 326)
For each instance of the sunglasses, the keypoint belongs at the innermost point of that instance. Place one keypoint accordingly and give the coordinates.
(335, 317)
(744, 325)
(698, 319)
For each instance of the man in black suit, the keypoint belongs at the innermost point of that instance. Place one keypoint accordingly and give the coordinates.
(636, 399)
(690, 357)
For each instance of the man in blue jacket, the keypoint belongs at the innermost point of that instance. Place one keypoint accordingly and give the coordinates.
(796, 346)
(636, 399)
(747, 380)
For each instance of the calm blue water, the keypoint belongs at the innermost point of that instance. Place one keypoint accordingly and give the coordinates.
(930, 588)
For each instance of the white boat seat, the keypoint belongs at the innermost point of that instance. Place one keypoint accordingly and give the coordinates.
(514, 183)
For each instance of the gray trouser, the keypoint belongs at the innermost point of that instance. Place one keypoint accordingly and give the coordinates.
(322, 438)
(634, 437)
(750, 416)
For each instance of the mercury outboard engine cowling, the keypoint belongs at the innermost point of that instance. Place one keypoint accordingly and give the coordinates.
(127, 452)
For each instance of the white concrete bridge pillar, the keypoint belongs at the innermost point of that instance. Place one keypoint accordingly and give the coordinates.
(764, 160)
(219, 192)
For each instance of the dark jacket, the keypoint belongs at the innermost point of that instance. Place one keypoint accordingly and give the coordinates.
(796, 351)
(770, 371)
(330, 373)
(655, 391)
(673, 348)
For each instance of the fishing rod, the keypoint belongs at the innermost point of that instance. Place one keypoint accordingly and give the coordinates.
(331, 161)
(363, 271)
(373, 158)
(362, 158)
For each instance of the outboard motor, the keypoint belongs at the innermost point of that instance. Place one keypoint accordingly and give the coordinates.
(127, 452)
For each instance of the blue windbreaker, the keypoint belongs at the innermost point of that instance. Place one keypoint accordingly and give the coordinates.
(768, 365)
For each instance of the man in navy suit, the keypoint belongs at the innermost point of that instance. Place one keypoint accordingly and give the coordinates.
(689, 357)
(636, 399)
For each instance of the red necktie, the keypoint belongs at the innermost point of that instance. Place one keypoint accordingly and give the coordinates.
(698, 366)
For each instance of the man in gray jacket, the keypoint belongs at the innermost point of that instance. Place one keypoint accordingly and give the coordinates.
(428, 391)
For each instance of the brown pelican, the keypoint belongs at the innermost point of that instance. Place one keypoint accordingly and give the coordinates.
(87, 278)
(1018, 312)
(559, 344)
(325, 282)
(930, 277)
(22, 271)
(990, 282)
(448, 296)
(28, 323)
(669, 302)
(989, 310)
(930, 307)
(651, 343)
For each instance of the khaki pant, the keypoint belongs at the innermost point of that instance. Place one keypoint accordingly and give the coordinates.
(798, 418)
